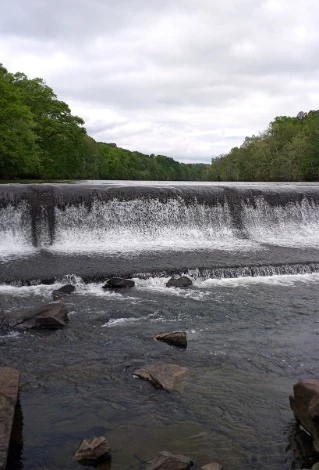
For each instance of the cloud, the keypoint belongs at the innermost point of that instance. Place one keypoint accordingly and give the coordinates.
(188, 79)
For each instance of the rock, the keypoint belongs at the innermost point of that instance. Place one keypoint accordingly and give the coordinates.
(163, 375)
(64, 290)
(212, 466)
(315, 466)
(176, 338)
(9, 389)
(118, 283)
(47, 316)
(305, 406)
(168, 461)
(181, 282)
(93, 451)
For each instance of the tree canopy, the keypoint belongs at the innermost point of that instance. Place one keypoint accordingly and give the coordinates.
(40, 138)
(287, 151)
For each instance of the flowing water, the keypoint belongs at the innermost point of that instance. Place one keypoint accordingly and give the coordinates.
(251, 315)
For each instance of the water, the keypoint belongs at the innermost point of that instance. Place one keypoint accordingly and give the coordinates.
(251, 318)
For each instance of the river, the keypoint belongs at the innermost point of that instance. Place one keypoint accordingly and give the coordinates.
(251, 316)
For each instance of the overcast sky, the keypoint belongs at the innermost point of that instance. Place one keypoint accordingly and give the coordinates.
(187, 78)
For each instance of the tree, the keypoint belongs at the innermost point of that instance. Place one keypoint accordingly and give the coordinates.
(19, 152)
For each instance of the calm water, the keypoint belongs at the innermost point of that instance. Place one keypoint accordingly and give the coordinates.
(251, 318)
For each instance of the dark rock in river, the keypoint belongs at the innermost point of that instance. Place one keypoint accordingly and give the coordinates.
(118, 283)
(181, 282)
(175, 338)
(305, 406)
(48, 316)
(64, 290)
(163, 375)
(168, 461)
(93, 451)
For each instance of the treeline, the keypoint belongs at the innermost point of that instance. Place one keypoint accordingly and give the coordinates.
(122, 164)
(287, 151)
(41, 139)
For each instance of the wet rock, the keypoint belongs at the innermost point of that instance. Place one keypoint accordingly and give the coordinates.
(168, 461)
(93, 451)
(181, 282)
(175, 338)
(47, 316)
(163, 375)
(305, 406)
(118, 283)
(212, 466)
(64, 290)
(9, 388)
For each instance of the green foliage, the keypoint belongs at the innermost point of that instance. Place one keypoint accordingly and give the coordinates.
(287, 151)
(40, 138)
(18, 149)
(118, 163)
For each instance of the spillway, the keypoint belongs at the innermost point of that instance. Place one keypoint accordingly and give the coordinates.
(117, 219)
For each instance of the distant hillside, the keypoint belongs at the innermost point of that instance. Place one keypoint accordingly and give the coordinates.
(41, 139)
(118, 163)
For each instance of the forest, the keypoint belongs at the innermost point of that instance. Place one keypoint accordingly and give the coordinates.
(287, 151)
(41, 139)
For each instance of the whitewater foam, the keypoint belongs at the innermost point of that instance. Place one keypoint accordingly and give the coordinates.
(145, 225)
(295, 225)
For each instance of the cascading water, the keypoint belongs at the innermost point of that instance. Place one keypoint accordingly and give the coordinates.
(141, 225)
(106, 223)
(15, 230)
(296, 224)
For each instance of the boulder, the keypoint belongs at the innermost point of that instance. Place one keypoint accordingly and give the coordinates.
(93, 451)
(168, 461)
(315, 466)
(9, 389)
(305, 406)
(64, 290)
(212, 466)
(47, 316)
(163, 375)
(175, 338)
(181, 282)
(118, 283)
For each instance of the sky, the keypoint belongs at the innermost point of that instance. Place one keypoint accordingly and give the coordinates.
(187, 79)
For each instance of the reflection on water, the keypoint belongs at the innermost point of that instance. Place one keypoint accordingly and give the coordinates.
(15, 460)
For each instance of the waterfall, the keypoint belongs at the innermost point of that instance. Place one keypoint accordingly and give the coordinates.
(96, 219)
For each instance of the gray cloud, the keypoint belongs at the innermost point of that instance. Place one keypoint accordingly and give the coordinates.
(189, 79)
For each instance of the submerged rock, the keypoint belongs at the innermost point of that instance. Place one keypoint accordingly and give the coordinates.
(305, 406)
(168, 461)
(175, 338)
(47, 316)
(93, 451)
(64, 290)
(163, 375)
(181, 282)
(212, 466)
(118, 283)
